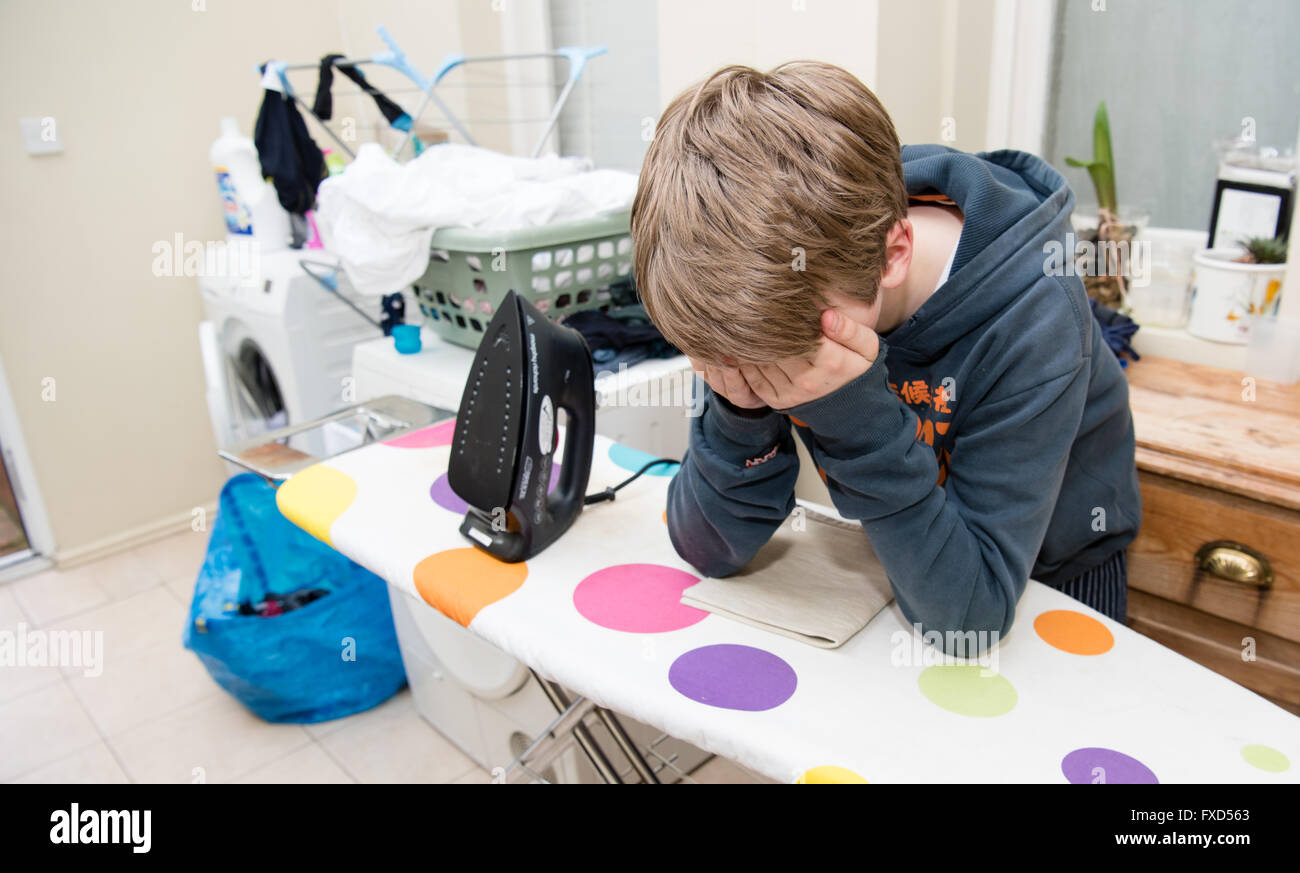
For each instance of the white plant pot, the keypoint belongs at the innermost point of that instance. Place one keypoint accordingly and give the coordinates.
(1227, 294)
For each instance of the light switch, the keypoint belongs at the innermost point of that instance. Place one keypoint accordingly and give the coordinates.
(41, 135)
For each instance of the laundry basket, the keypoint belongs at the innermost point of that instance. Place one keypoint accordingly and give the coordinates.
(560, 268)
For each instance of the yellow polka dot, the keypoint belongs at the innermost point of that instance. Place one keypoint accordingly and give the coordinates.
(315, 498)
(830, 775)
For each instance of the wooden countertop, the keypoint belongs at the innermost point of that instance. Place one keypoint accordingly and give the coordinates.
(1195, 423)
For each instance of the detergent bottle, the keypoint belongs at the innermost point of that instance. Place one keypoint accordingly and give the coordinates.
(249, 203)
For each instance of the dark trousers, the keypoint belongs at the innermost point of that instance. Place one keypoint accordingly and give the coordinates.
(1104, 587)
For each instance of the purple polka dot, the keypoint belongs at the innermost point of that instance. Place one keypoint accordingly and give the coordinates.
(449, 500)
(446, 498)
(1084, 766)
(733, 677)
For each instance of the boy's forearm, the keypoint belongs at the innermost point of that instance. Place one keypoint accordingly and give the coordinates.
(958, 561)
(735, 487)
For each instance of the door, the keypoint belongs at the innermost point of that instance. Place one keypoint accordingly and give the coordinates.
(13, 538)
(24, 529)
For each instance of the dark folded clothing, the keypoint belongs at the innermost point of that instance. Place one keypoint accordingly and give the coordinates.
(1115, 331)
(624, 335)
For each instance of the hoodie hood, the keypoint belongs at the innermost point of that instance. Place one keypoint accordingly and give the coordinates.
(1014, 204)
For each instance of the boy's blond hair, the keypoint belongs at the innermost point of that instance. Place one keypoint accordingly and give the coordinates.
(750, 177)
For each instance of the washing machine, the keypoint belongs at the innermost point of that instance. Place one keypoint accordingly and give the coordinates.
(277, 346)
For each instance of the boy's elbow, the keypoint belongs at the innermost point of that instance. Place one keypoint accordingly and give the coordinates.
(968, 635)
(707, 554)
(694, 539)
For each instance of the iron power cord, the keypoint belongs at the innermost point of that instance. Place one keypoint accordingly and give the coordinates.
(608, 493)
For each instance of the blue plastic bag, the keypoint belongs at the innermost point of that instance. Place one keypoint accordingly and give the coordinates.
(334, 656)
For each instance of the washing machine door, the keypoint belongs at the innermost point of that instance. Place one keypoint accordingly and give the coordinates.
(256, 404)
(474, 663)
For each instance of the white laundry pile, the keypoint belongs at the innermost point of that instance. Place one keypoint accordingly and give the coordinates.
(379, 216)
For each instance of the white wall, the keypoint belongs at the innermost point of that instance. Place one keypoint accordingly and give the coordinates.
(929, 61)
(137, 89)
(696, 38)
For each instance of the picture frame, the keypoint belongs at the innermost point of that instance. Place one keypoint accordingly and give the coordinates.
(1248, 209)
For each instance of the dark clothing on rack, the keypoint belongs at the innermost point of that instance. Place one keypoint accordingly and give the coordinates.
(288, 154)
(624, 335)
(324, 105)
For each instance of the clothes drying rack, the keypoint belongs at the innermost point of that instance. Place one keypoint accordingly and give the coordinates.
(395, 58)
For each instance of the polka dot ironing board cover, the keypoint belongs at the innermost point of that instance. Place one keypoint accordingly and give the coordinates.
(1069, 695)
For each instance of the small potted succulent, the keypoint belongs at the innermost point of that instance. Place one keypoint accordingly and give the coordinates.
(1234, 285)
(1102, 255)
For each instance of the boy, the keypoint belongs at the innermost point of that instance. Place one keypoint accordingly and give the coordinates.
(892, 307)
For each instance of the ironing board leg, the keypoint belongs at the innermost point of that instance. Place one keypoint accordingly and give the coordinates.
(552, 742)
(626, 745)
(588, 743)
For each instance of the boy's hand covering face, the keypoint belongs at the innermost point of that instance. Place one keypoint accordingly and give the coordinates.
(728, 382)
(847, 349)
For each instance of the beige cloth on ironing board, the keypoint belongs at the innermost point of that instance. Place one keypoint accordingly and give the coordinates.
(820, 585)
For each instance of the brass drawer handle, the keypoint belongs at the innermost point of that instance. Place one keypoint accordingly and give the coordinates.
(1235, 562)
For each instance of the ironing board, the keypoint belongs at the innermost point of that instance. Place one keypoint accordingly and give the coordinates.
(1071, 695)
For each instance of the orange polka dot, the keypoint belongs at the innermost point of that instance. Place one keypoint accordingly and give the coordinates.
(460, 582)
(1073, 632)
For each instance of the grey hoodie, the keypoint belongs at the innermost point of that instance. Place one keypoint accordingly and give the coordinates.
(990, 441)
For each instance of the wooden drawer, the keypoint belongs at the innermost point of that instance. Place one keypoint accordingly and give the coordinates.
(1179, 517)
(1272, 669)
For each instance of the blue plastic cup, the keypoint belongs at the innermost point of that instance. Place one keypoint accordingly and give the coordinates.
(406, 338)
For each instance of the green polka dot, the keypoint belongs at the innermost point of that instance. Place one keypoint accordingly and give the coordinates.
(968, 690)
(1265, 758)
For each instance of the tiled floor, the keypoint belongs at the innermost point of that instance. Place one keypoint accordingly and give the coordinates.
(154, 714)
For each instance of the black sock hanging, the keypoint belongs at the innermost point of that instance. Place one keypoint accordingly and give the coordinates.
(324, 105)
(323, 108)
(391, 110)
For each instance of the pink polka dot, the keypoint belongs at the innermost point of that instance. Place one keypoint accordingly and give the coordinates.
(637, 598)
(426, 438)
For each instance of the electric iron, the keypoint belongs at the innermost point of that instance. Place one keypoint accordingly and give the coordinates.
(502, 451)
